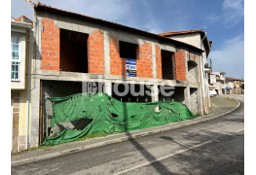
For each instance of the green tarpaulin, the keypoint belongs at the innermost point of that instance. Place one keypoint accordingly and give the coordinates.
(101, 114)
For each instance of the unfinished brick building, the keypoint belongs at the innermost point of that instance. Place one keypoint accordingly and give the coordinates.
(73, 48)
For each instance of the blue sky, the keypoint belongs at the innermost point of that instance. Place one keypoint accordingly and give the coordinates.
(223, 20)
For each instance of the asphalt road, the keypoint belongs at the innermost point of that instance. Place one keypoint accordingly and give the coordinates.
(215, 147)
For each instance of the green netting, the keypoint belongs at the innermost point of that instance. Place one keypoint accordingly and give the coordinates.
(103, 114)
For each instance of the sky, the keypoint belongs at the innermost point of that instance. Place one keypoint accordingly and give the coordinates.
(222, 20)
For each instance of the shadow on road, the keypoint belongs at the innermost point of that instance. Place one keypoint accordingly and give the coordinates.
(158, 166)
(223, 153)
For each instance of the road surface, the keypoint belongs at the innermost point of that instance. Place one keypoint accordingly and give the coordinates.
(215, 147)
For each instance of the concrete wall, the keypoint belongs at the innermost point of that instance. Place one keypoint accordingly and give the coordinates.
(192, 75)
(194, 101)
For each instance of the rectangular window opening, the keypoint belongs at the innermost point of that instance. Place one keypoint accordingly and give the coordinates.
(193, 91)
(166, 93)
(51, 88)
(128, 50)
(15, 59)
(179, 94)
(167, 65)
(73, 51)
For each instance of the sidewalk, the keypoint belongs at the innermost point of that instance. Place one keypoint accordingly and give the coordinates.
(220, 106)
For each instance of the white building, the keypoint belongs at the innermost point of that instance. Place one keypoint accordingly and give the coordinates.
(21, 45)
(217, 82)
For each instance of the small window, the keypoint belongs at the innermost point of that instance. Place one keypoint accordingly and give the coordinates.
(191, 65)
(128, 50)
(15, 59)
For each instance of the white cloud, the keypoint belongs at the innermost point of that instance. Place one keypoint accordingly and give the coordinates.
(233, 11)
(21, 7)
(114, 10)
(213, 18)
(230, 58)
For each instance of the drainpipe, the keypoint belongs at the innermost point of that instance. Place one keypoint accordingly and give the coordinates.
(28, 90)
(202, 80)
(29, 61)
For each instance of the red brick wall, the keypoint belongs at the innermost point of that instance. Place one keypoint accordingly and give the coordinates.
(180, 65)
(158, 62)
(50, 45)
(144, 61)
(96, 52)
(117, 64)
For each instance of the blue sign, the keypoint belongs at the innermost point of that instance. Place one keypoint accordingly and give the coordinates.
(130, 67)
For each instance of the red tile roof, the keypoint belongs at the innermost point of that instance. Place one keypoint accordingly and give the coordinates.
(23, 19)
(232, 79)
(183, 32)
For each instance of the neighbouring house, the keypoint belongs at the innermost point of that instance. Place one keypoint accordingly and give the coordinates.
(74, 53)
(199, 39)
(234, 85)
(217, 82)
(21, 54)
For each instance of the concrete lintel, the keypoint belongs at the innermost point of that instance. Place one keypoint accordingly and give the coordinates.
(167, 48)
(48, 72)
(123, 36)
(154, 60)
(106, 53)
(194, 85)
(74, 27)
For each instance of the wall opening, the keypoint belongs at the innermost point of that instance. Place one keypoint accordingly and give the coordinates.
(192, 71)
(179, 94)
(167, 65)
(73, 51)
(191, 65)
(127, 92)
(165, 93)
(62, 89)
(128, 50)
(193, 91)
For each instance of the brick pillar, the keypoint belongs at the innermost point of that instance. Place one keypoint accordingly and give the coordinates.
(158, 62)
(117, 65)
(96, 52)
(180, 65)
(50, 45)
(144, 61)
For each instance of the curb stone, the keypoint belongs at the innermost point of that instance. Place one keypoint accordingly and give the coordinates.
(122, 137)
